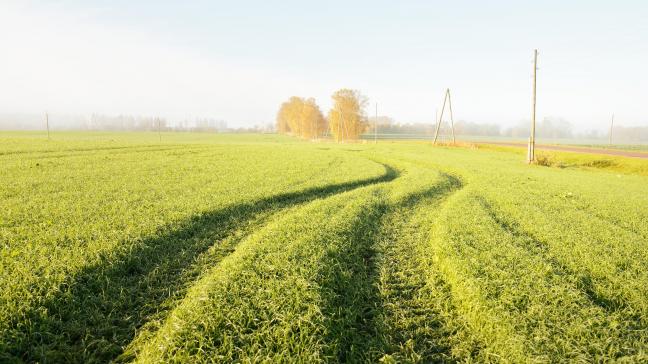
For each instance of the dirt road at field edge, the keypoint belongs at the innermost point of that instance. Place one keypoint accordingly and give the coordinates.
(616, 152)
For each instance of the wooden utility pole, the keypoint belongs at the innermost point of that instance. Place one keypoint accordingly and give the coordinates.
(47, 125)
(454, 141)
(376, 126)
(531, 151)
(159, 132)
(611, 127)
(446, 98)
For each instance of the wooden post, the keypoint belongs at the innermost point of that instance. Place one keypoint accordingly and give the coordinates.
(531, 155)
(611, 126)
(159, 132)
(47, 125)
(454, 141)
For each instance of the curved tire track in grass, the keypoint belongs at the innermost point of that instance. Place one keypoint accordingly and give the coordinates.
(609, 260)
(414, 319)
(636, 230)
(627, 324)
(99, 310)
(517, 303)
(373, 291)
(262, 303)
(302, 289)
(535, 246)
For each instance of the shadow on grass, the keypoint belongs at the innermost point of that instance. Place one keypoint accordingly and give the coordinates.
(352, 302)
(98, 312)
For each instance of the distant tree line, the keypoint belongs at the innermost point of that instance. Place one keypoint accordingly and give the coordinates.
(630, 134)
(548, 128)
(387, 125)
(559, 128)
(124, 122)
(143, 123)
(346, 120)
(101, 122)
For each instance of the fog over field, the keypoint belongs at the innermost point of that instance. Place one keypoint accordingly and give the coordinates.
(237, 62)
(213, 181)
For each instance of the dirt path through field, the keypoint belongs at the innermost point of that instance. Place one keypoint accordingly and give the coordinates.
(564, 148)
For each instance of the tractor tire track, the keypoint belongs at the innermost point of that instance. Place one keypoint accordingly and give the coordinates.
(98, 312)
(414, 297)
(531, 243)
(387, 283)
(613, 308)
(299, 281)
(584, 282)
(614, 221)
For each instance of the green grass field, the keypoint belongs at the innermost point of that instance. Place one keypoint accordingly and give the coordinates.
(263, 248)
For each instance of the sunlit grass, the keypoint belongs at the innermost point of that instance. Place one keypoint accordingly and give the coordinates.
(230, 248)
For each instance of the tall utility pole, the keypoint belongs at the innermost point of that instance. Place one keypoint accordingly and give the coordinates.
(531, 151)
(47, 125)
(611, 126)
(376, 126)
(159, 132)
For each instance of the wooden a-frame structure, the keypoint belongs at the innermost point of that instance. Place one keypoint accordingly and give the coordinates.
(446, 99)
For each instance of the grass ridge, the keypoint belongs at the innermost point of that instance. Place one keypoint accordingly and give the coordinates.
(97, 312)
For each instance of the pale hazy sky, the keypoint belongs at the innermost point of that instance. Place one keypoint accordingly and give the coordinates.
(238, 60)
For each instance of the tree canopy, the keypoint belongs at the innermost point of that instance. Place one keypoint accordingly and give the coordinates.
(301, 117)
(347, 118)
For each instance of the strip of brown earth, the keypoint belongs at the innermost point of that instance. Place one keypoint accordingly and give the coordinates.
(623, 153)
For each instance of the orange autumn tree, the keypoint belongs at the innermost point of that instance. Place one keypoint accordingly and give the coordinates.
(301, 117)
(347, 118)
(286, 115)
(313, 123)
(283, 126)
